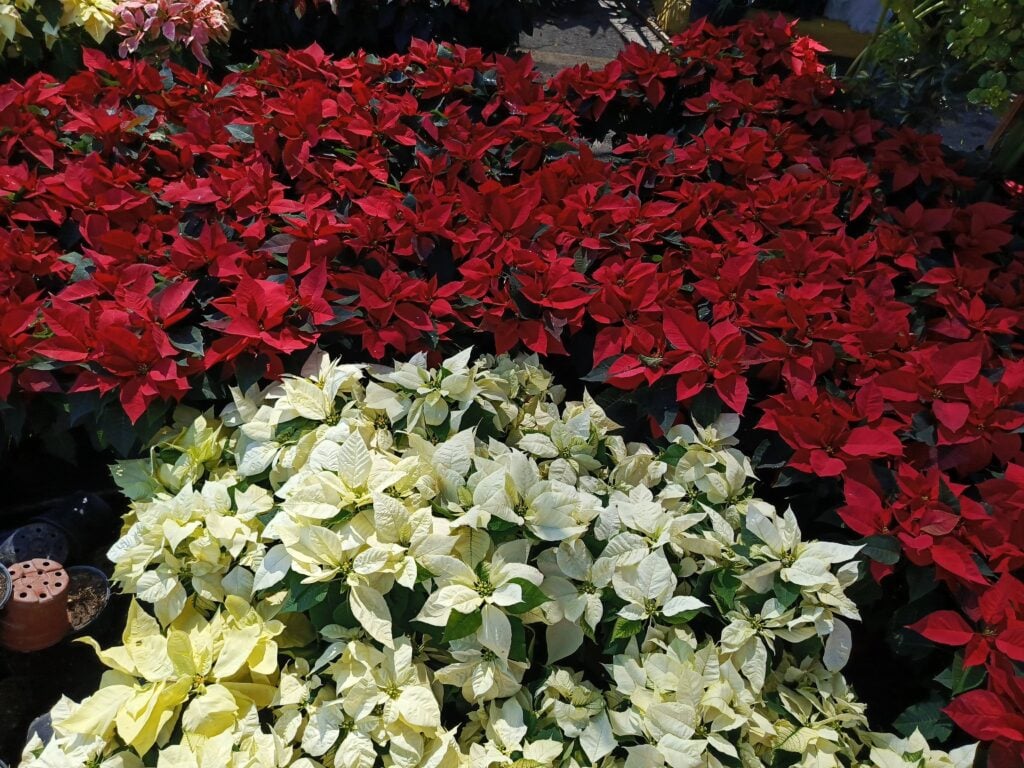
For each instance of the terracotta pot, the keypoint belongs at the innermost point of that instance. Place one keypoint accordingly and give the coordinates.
(37, 615)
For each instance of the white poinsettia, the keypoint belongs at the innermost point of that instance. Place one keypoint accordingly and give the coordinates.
(314, 393)
(398, 689)
(576, 583)
(491, 587)
(507, 742)
(715, 437)
(889, 751)
(480, 673)
(433, 389)
(571, 443)
(67, 749)
(439, 470)
(806, 565)
(749, 638)
(207, 668)
(578, 710)
(510, 487)
(401, 537)
(687, 701)
(648, 589)
(206, 532)
(363, 566)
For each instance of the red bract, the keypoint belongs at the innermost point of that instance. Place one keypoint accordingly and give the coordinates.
(995, 714)
(16, 341)
(140, 367)
(824, 432)
(712, 355)
(256, 321)
(1001, 628)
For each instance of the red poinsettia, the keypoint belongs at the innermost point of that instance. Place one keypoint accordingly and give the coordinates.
(707, 355)
(998, 612)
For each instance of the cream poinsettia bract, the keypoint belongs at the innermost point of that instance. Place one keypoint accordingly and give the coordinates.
(450, 567)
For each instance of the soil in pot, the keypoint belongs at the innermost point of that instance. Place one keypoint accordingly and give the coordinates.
(87, 597)
(5, 587)
(37, 615)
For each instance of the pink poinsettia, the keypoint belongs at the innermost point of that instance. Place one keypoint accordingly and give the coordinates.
(192, 25)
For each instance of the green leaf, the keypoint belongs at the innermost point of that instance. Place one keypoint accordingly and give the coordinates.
(322, 612)
(82, 406)
(927, 718)
(244, 67)
(626, 628)
(881, 549)
(462, 625)
(114, 428)
(519, 650)
(600, 373)
(302, 597)
(187, 339)
(249, 369)
(724, 586)
(243, 133)
(84, 266)
(497, 525)
(786, 593)
(679, 619)
(342, 615)
(921, 582)
(960, 679)
(532, 597)
(51, 10)
(13, 420)
(673, 454)
(705, 408)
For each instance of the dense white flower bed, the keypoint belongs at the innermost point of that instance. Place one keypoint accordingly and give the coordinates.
(449, 567)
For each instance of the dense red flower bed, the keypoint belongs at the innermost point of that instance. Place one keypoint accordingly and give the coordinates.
(819, 272)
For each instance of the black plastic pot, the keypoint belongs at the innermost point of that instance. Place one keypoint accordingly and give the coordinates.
(39, 540)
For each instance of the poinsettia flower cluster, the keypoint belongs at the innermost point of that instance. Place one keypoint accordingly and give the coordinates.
(449, 567)
(31, 23)
(168, 23)
(746, 238)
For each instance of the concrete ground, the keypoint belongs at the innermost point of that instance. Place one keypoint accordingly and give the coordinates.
(586, 32)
